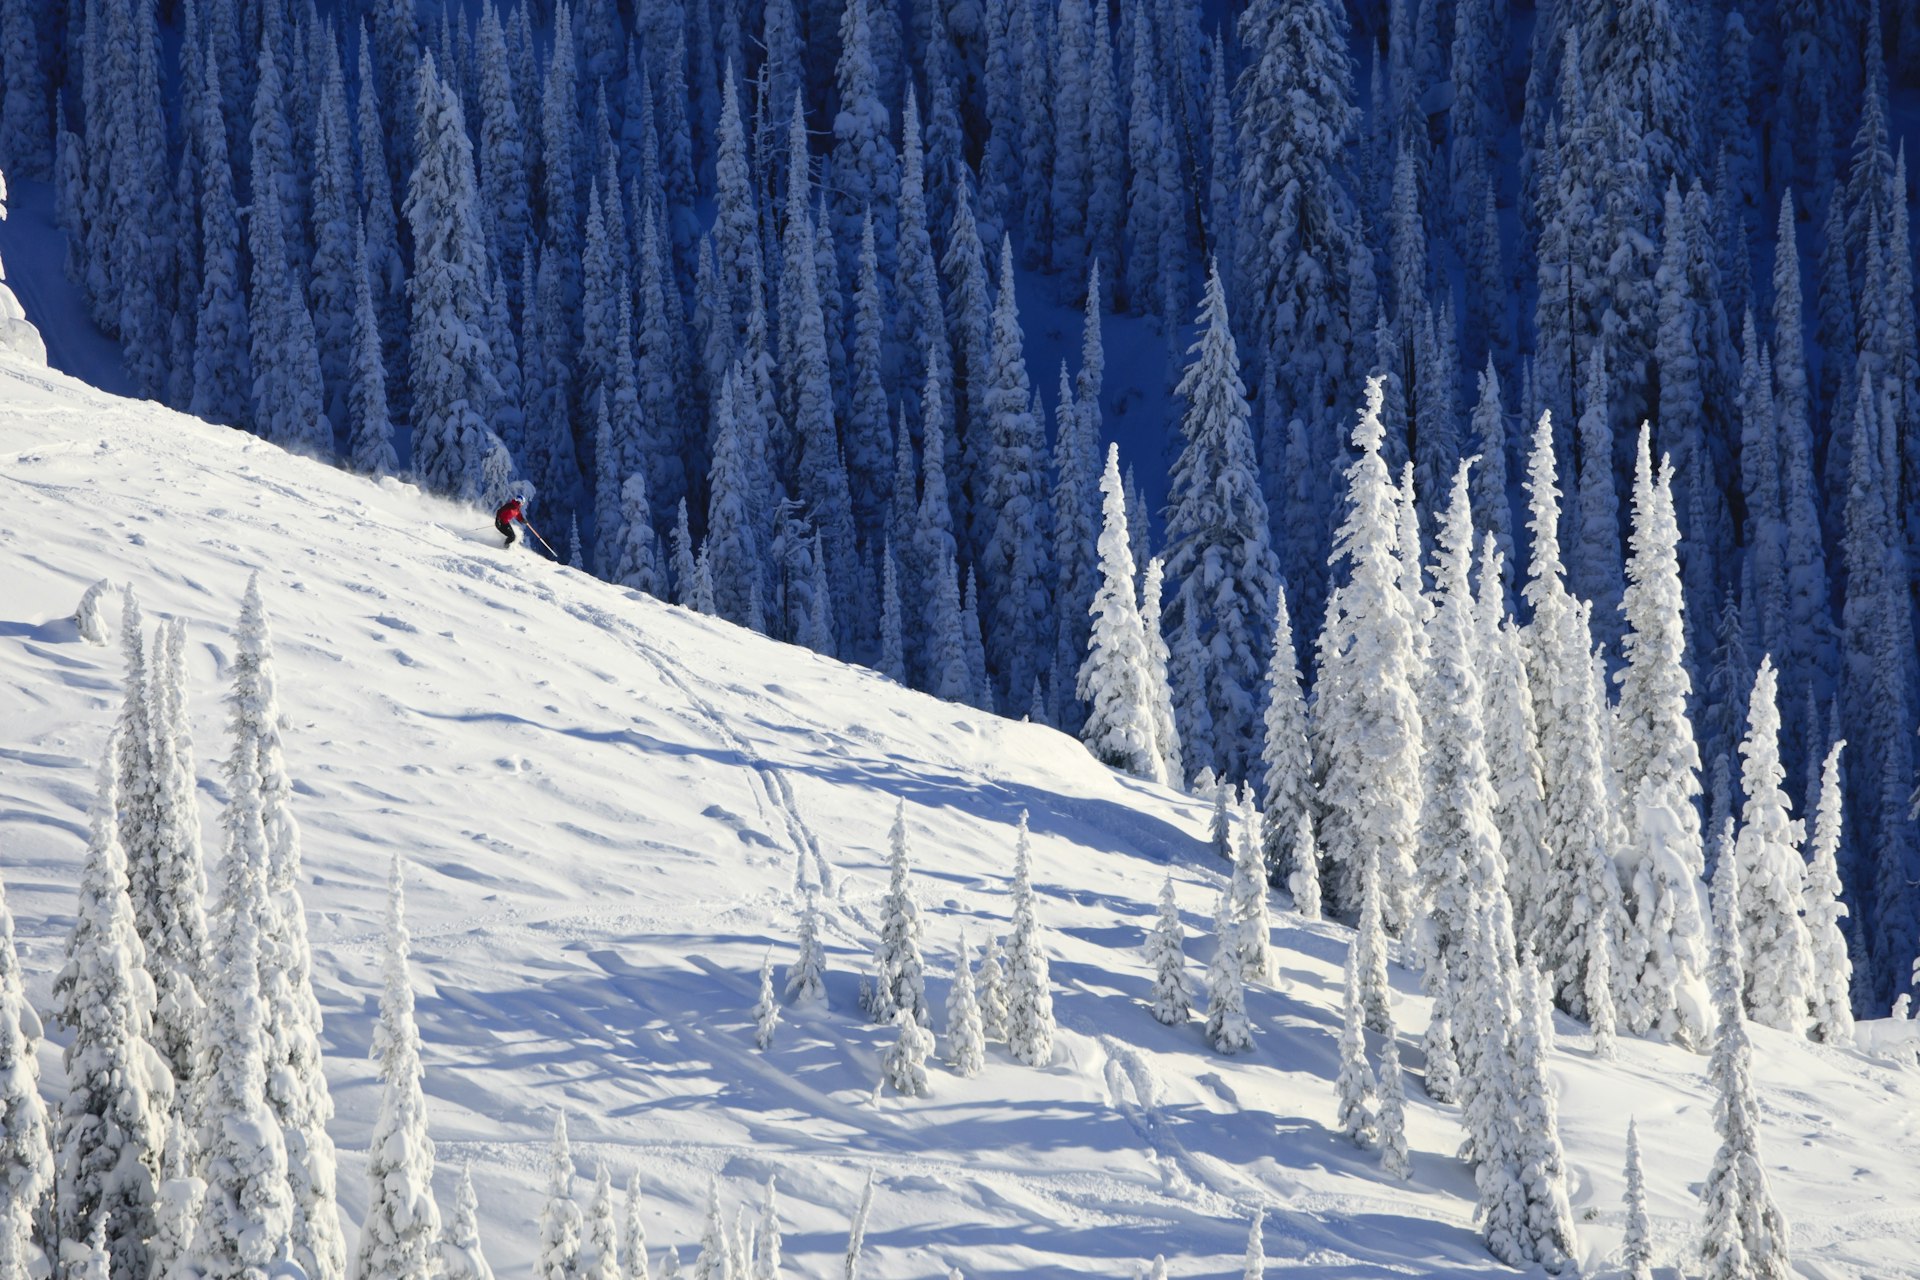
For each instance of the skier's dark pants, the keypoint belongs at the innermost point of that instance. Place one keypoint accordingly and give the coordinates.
(506, 530)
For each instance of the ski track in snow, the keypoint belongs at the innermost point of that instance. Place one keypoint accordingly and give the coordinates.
(608, 807)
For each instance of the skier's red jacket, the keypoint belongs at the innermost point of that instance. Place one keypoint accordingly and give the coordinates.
(508, 513)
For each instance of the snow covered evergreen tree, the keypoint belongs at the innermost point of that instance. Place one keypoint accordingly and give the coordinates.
(460, 1254)
(1248, 891)
(1370, 946)
(1457, 835)
(1394, 1156)
(1637, 1249)
(966, 1036)
(400, 1236)
(993, 990)
(1255, 1265)
(1832, 968)
(1299, 226)
(903, 1067)
(26, 1159)
(866, 173)
(899, 974)
(1304, 881)
(766, 1011)
(296, 1085)
(1029, 1018)
(1228, 1029)
(561, 1224)
(222, 378)
(633, 1239)
(633, 563)
(1594, 561)
(732, 549)
(806, 975)
(1114, 680)
(600, 1249)
(336, 228)
(1541, 1164)
(170, 913)
(1779, 978)
(245, 1221)
(451, 378)
(111, 1126)
(369, 421)
(1218, 541)
(1076, 499)
(1577, 832)
(1166, 952)
(1354, 1087)
(1010, 505)
(1166, 727)
(1661, 960)
(1367, 718)
(1288, 795)
(1745, 1234)
(26, 133)
(288, 400)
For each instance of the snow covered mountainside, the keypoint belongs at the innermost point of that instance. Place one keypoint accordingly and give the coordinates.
(606, 804)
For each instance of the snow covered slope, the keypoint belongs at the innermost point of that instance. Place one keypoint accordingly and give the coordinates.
(606, 803)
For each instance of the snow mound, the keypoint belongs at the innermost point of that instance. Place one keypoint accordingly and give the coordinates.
(607, 805)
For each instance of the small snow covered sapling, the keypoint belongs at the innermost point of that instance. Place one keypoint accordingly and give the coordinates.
(1304, 880)
(1394, 1157)
(1221, 829)
(98, 1258)
(633, 1241)
(899, 973)
(903, 1067)
(561, 1225)
(1249, 890)
(1030, 1025)
(766, 1258)
(806, 980)
(1166, 952)
(1637, 1249)
(178, 1200)
(1370, 951)
(402, 1234)
(1255, 1267)
(601, 1257)
(716, 1249)
(857, 1231)
(993, 991)
(966, 1041)
(1228, 1029)
(766, 1012)
(88, 619)
(743, 1244)
(1744, 1233)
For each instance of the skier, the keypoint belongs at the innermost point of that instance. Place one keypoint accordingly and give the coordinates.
(503, 519)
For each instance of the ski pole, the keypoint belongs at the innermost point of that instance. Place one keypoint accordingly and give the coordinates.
(543, 542)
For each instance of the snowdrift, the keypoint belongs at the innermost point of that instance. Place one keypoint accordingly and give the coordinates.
(606, 804)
